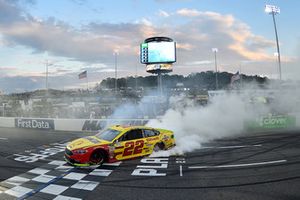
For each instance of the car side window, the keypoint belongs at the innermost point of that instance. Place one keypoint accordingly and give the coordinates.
(132, 135)
(150, 133)
(156, 132)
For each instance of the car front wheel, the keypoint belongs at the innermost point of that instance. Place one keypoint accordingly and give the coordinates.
(97, 157)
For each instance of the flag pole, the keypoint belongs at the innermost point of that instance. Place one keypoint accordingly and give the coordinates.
(87, 81)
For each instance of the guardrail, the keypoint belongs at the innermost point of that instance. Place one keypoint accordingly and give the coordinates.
(66, 124)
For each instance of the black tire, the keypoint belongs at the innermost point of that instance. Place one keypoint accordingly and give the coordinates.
(97, 157)
(158, 147)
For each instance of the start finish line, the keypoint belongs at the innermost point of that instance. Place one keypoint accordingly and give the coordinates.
(41, 154)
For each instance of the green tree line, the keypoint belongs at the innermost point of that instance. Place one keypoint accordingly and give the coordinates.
(205, 80)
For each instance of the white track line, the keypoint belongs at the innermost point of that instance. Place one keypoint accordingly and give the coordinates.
(180, 170)
(112, 164)
(238, 165)
(3, 138)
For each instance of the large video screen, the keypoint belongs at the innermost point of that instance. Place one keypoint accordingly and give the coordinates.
(158, 52)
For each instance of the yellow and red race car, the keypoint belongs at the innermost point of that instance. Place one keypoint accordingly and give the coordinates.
(118, 143)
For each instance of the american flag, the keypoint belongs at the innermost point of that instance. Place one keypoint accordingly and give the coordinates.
(235, 77)
(82, 75)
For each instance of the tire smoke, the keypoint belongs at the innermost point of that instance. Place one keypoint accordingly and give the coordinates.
(195, 125)
(224, 116)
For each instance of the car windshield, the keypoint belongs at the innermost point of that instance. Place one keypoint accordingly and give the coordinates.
(108, 134)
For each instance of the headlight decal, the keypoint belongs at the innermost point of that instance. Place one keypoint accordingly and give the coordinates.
(79, 151)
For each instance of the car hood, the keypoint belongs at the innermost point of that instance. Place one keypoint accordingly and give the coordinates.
(85, 142)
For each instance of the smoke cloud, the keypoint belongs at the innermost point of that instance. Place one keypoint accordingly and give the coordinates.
(225, 115)
(195, 125)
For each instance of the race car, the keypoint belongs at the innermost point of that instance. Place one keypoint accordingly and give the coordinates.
(118, 143)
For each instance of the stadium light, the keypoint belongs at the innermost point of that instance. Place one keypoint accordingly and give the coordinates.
(274, 10)
(215, 50)
(270, 9)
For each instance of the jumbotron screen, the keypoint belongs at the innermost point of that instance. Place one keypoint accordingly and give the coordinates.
(158, 52)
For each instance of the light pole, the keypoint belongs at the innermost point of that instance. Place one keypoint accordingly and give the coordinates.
(47, 75)
(277, 70)
(215, 50)
(136, 77)
(4, 104)
(116, 53)
(274, 10)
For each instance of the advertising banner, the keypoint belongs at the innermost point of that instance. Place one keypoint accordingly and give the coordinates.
(47, 124)
(272, 122)
(154, 68)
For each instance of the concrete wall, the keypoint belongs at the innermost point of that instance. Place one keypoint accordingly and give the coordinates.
(7, 122)
(80, 124)
(69, 124)
(66, 124)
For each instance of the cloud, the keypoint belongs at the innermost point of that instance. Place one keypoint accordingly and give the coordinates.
(291, 69)
(19, 84)
(200, 62)
(10, 12)
(57, 79)
(234, 38)
(188, 12)
(93, 44)
(11, 71)
(79, 2)
(146, 22)
(163, 13)
(185, 46)
(2, 69)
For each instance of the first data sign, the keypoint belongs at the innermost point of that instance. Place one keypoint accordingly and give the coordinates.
(47, 124)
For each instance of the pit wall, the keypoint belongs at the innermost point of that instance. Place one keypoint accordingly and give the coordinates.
(66, 124)
(282, 121)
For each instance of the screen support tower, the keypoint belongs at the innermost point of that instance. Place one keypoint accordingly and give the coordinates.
(159, 83)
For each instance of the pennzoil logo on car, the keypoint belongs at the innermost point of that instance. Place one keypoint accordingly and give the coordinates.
(152, 139)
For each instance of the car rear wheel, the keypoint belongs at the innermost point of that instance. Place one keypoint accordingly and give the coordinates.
(97, 157)
(159, 147)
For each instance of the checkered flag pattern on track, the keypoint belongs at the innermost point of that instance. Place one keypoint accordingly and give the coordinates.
(55, 180)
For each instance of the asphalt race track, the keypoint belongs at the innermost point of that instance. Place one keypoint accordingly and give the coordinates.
(253, 166)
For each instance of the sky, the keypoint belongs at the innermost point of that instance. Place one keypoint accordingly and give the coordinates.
(77, 35)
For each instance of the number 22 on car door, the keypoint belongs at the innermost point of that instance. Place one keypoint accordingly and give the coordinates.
(132, 143)
(133, 148)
